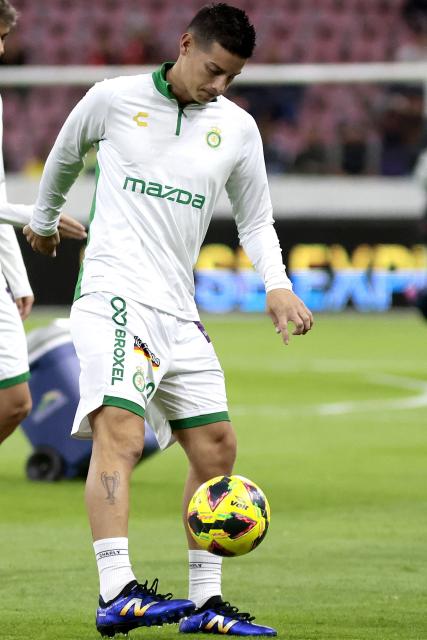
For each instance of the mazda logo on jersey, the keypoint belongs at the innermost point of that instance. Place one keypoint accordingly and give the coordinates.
(157, 190)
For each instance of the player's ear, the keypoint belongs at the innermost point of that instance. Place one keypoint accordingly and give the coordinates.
(186, 43)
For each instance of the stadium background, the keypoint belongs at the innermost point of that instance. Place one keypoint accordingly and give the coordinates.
(333, 427)
(340, 156)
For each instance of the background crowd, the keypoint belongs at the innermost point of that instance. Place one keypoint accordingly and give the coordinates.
(360, 129)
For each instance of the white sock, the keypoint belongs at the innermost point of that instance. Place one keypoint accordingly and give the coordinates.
(115, 571)
(204, 576)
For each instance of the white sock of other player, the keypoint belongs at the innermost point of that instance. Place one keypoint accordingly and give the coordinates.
(204, 576)
(114, 568)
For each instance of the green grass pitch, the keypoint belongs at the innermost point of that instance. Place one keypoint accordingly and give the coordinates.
(333, 428)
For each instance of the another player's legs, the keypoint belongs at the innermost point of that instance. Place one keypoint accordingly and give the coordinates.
(15, 405)
(15, 396)
(118, 440)
(211, 451)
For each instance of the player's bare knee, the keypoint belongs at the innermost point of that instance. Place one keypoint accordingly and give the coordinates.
(15, 405)
(17, 411)
(120, 439)
(222, 452)
(131, 451)
(122, 446)
(229, 447)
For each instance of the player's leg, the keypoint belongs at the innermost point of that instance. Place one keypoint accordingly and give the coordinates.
(196, 405)
(15, 397)
(211, 451)
(118, 441)
(112, 408)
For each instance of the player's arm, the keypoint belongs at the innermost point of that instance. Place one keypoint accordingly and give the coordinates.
(84, 127)
(13, 268)
(249, 195)
(19, 215)
(16, 214)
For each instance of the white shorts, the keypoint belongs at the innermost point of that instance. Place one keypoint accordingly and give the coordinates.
(147, 361)
(14, 367)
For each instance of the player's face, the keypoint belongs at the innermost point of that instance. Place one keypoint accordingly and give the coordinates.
(4, 32)
(207, 73)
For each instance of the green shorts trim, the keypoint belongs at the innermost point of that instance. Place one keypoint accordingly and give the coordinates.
(11, 382)
(121, 403)
(198, 421)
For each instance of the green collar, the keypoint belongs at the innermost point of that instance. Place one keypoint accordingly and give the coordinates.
(160, 82)
(163, 86)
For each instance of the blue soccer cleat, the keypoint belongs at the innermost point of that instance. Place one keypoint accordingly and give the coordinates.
(220, 617)
(139, 605)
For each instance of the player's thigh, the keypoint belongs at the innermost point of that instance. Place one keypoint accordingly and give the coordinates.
(14, 368)
(193, 392)
(117, 342)
(194, 398)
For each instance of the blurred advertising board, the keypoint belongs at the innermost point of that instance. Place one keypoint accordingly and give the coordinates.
(368, 265)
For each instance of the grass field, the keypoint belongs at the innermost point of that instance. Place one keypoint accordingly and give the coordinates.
(334, 430)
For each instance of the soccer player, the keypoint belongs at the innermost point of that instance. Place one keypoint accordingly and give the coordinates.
(168, 143)
(15, 397)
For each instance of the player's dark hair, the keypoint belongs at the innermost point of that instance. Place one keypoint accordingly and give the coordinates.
(227, 25)
(8, 14)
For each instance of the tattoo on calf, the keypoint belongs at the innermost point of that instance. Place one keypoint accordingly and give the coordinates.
(111, 484)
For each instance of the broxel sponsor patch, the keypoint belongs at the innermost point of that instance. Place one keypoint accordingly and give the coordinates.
(119, 317)
(118, 369)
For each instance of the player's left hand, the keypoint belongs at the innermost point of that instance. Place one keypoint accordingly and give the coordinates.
(284, 306)
(68, 227)
(24, 304)
(45, 245)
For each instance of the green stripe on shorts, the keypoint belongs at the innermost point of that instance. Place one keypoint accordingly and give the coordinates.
(121, 403)
(198, 421)
(11, 382)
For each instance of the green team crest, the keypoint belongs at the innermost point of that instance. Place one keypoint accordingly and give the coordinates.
(139, 380)
(213, 138)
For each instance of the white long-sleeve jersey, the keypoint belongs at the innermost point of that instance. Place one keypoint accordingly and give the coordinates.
(12, 267)
(161, 168)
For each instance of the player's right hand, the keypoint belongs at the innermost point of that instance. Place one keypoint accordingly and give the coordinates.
(45, 245)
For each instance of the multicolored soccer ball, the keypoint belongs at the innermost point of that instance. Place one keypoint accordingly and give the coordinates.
(228, 516)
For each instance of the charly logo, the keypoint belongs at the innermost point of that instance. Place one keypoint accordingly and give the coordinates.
(140, 119)
(139, 380)
(213, 137)
(120, 315)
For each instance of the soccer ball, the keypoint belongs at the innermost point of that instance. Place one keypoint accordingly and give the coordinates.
(228, 516)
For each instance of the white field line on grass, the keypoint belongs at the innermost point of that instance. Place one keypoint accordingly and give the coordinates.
(328, 365)
(353, 406)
